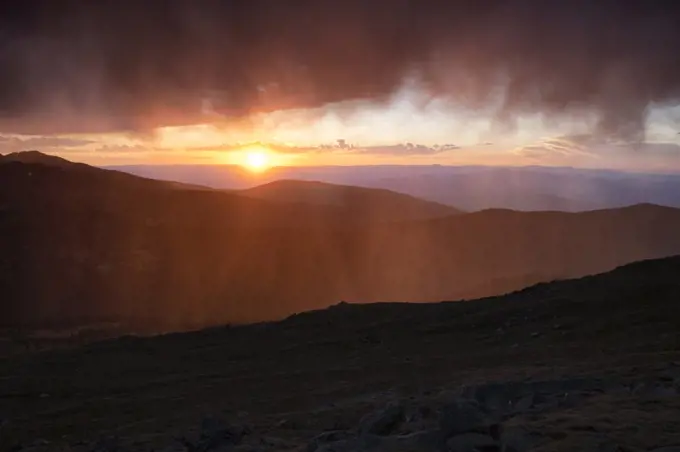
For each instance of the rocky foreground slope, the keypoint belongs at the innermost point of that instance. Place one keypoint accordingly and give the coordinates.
(588, 364)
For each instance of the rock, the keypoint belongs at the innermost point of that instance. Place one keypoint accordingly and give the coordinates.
(655, 391)
(612, 447)
(523, 404)
(515, 439)
(349, 445)
(111, 444)
(285, 423)
(214, 435)
(419, 419)
(246, 448)
(325, 438)
(618, 390)
(570, 399)
(383, 422)
(170, 448)
(271, 441)
(425, 441)
(471, 442)
(575, 384)
(37, 445)
(492, 397)
(503, 399)
(464, 416)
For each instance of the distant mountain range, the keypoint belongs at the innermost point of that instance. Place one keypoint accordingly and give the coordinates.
(82, 244)
(467, 188)
(358, 202)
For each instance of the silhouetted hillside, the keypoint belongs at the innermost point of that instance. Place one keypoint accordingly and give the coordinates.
(81, 245)
(355, 201)
(35, 157)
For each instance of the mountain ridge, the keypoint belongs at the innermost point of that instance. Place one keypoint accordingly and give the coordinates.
(469, 188)
(90, 245)
(33, 156)
(359, 200)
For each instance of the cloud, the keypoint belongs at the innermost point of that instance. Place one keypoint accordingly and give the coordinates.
(663, 150)
(125, 148)
(237, 147)
(71, 67)
(586, 148)
(13, 143)
(405, 149)
(392, 149)
(568, 147)
(341, 146)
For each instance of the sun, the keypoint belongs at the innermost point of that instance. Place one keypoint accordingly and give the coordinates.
(257, 159)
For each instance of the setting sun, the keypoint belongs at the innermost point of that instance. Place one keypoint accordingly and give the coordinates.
(257, 160)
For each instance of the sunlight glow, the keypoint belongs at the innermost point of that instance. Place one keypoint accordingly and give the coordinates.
(257, 159)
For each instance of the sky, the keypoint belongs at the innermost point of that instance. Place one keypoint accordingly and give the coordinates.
(352, 82)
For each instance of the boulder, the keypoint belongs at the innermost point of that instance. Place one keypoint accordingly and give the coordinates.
(472, 442)
(655, 391)
(383, 422)
(326, 438)
(426, 441)
(515, 439)
(214, 435)
(463, 416)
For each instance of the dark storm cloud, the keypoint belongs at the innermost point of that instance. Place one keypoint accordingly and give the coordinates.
(73, 66)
